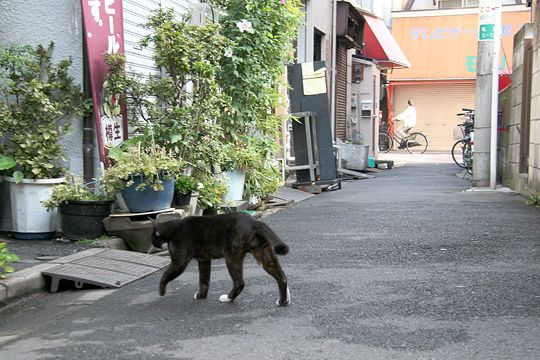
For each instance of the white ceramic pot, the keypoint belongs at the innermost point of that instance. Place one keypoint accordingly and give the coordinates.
(235, 180)
(30, 220)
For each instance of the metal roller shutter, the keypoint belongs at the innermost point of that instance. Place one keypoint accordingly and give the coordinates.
(341, 92)
(436, 108)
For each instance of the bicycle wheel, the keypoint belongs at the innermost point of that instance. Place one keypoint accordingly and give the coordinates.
(417, 143)
(457, 153)
(468, 157)
(385, 142)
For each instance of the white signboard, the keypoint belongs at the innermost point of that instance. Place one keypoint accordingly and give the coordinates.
(489, 13)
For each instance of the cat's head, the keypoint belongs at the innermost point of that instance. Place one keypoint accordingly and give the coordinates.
(157, 235)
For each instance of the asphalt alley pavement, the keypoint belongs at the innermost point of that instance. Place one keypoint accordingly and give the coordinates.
(408, 265)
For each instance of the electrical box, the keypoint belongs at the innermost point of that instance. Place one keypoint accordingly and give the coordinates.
(367, 108)
(353, 102)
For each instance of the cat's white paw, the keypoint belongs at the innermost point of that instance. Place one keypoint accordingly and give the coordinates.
(195, 296)
(288, 299)
(224, 298)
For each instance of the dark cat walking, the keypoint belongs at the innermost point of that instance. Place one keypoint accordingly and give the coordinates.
(230, 236)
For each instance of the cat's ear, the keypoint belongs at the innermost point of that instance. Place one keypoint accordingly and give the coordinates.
(153, 221)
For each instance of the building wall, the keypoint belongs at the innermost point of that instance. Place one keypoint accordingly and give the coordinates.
(318, 15)
(512, 107)
(40, 23)
(534, 149)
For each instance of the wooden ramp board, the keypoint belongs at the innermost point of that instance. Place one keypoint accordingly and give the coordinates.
(288, 194)
(105, 268)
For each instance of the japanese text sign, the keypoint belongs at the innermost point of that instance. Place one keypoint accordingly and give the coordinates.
(104, 33)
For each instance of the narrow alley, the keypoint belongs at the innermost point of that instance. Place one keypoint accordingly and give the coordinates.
(408, 265)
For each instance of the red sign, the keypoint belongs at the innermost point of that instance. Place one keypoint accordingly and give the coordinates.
(104, 33)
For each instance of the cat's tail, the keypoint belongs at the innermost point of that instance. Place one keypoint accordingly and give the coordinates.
(266, 233)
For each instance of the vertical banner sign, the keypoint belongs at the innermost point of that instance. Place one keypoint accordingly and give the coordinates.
(104, 33)
(489, 10)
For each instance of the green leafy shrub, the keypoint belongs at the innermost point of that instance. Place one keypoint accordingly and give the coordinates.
(153, 163)
(534, 199)
(211, 192)
(75, 189)
(6, 258)
(37, 98)
(185, 184)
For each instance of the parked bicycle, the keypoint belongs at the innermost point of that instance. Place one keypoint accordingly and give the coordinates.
(462, 150)
(415, 142)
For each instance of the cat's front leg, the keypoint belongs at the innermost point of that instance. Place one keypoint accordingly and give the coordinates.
(204, 279)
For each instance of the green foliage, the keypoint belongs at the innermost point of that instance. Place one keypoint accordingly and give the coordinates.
(184, 184)
(251, 76)
(154, 163)
(6, 162)
(534, 199)
(75, 189)
(177, 111)
(214, 108)
(6, 258)
(36, 99)
(260, 34)
(211, 192)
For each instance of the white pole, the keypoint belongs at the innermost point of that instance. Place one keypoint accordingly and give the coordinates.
(495, 96)
(333, 82)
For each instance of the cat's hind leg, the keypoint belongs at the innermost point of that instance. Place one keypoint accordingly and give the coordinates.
(204, 279)
(270, 263)
(235, 266)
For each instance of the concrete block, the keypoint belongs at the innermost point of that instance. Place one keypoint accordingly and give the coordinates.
(515, 114)
(513, 135)
(111, 243)
(25, 281)
(135, 230)
(235, 206)
(536, 59)
(534, 135)
(535, 107)
(517, 57)
(513, 154)
(3, 293)
(534, 155)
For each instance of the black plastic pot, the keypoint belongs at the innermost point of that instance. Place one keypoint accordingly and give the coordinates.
(84, 219)
(182, 199)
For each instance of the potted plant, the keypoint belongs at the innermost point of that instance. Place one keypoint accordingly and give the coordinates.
(82, 207)
(37, 101)
(211, 194)
(184, 187)
(144, 176)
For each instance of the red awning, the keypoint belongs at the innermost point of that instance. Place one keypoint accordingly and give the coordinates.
(381, 46)
(505, 80)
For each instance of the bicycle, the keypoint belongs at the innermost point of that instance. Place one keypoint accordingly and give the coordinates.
(463, 149)
(415, 142)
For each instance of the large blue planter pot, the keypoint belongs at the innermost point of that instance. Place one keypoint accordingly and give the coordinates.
(139, 201)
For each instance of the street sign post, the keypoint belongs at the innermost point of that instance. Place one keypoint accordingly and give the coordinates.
(489, 30)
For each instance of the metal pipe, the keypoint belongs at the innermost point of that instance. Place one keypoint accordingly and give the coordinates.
(88, 125)
(333, 82)
(495, 98)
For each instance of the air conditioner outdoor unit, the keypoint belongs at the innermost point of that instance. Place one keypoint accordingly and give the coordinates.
(203, 13)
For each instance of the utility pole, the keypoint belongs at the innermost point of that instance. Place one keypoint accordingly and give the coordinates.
(487, 86)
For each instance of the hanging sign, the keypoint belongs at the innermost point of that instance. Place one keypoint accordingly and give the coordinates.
(489, 12)
(104, 33)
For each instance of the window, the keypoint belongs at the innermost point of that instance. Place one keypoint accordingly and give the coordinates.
(318, 45)
(452, 4)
